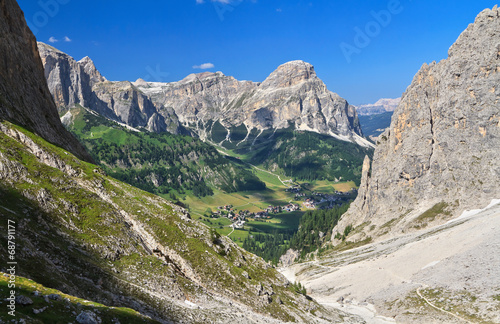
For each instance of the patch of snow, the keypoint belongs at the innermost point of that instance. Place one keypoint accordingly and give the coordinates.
(469, 213)
(354, 139)
(127, 126)
(363, 142)
(66, 119)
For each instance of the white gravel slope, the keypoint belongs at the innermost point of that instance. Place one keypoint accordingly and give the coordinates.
(446, 274)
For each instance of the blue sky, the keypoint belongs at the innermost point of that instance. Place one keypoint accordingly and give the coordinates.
(363, 50)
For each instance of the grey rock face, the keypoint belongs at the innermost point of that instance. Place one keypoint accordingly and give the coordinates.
(444, 141)
(88, 317)
(23, 300)
(72, 82)
(291, 95)
(24, 96)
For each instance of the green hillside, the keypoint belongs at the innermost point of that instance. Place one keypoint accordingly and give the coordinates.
(88, 235)
(298, 154)
(159, 163)
(374, 125)
(61, 307)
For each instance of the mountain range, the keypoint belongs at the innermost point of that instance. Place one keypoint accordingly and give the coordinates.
(292, 96)
(278, 124)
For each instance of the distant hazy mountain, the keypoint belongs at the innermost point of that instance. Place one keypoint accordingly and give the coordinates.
(374, 125)
(381, 106)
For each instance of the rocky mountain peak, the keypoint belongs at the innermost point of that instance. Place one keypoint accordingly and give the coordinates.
(203, 76)
(290, 74)
(74, 82)
(473, 38)
(440, 155)
(140, 83)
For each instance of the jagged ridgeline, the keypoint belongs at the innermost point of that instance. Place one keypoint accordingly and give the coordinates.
(159, 163)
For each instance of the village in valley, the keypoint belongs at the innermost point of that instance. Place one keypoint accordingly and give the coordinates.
(303, 199)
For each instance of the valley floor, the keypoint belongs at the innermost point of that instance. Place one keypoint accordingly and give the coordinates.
(446, 274)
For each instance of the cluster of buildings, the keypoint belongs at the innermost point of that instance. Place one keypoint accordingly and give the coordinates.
(321, 200)
(226, 207)
(278, 209)
(239, 218)
(294, 189)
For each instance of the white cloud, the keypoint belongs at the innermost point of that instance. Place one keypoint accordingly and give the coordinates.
(204, 66)
(219, 1)
(67, 39)
(52, 39)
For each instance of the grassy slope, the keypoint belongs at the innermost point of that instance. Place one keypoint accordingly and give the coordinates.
(63, 310)
(301, 155)
(159, 163)
(73, 223)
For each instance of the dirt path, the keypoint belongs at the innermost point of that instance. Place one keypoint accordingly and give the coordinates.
(284, 182)
(438, 308)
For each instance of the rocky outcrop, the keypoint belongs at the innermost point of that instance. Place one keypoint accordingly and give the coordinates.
(74, 82)
(69, 81)
(24, 96)
(440, 155)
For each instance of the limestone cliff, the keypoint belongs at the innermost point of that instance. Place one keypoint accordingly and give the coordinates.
(440, 155)
(24, 96)
(74, 82)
